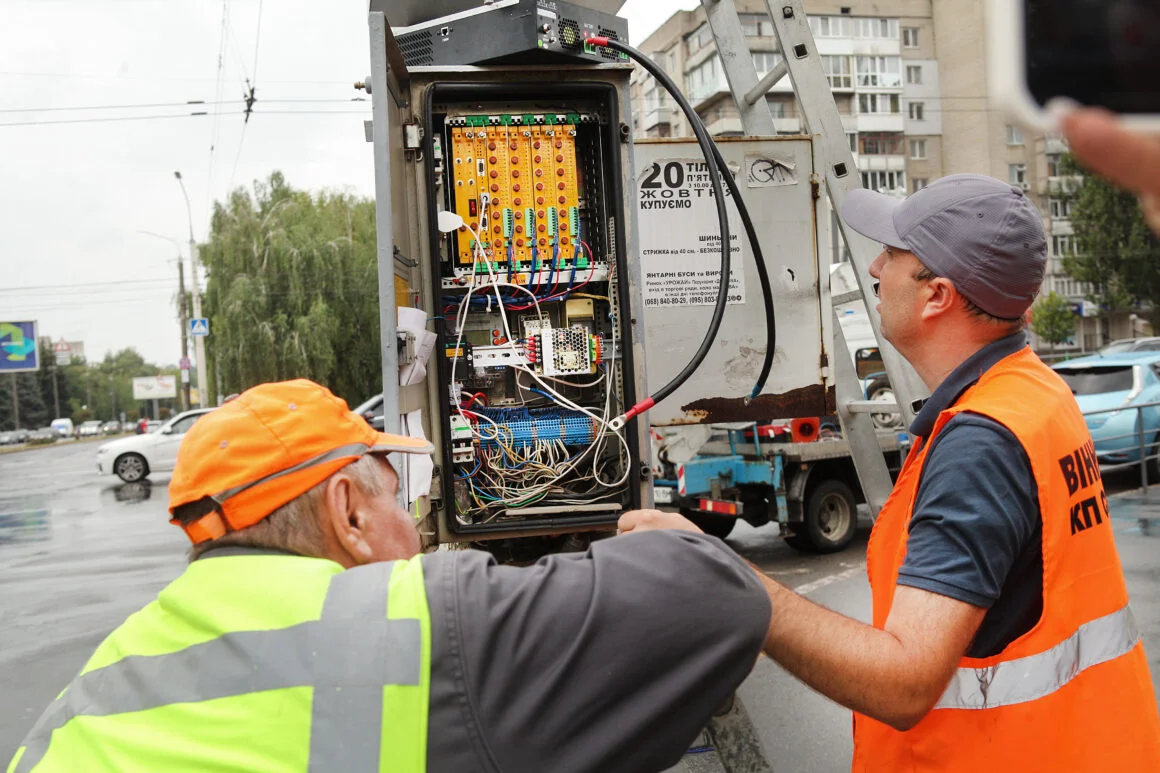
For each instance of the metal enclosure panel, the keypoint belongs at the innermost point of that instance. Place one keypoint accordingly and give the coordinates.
(680, 253)
(403, 13)
(410, 207)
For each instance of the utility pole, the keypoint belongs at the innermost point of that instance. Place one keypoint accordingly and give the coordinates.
(55, 391)
(183, 311)
(199, 344)
(15, 403)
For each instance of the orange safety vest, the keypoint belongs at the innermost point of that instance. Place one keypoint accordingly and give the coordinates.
(1074, 692)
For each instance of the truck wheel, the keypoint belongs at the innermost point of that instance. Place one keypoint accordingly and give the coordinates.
(718, 526)
(880, 389)
(831, 517)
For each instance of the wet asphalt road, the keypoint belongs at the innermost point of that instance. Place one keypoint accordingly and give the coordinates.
(79, 553)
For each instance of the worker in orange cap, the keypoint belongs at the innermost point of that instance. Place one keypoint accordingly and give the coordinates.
(308, 635)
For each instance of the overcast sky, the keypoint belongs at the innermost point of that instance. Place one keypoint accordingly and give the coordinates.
(74, 196)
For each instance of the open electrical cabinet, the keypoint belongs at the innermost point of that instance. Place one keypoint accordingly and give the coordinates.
(533, 298)
(528, 292)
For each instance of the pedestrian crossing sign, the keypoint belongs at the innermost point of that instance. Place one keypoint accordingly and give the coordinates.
(199, 327)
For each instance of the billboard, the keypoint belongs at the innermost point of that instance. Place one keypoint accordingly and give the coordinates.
(154, 387)
(18, 350)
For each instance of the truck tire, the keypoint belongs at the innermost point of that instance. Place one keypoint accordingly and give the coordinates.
(831, 517)
(719, 526)
(880, 389)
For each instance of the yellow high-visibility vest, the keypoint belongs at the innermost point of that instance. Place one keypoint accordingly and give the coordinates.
(253, 663)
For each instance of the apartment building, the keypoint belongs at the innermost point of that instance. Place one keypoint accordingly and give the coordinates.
(909, 79)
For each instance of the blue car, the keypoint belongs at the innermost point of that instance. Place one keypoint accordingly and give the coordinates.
(1106, 388)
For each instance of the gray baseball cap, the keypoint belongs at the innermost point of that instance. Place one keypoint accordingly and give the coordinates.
(981, 233)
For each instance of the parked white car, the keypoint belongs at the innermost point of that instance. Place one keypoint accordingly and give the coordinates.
(134, 457)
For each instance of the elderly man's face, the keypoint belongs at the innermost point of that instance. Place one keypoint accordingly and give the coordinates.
(391, 533)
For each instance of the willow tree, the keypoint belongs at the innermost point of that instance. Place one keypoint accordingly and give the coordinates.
(292, 289)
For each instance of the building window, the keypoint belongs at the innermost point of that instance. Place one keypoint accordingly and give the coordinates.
(1014, 135)
(852, 137)
(765, 61)
(1017, 174)
(875, 27)
(705, 79)
(702, 37)
(918, 149)
(879, 103)
(914, 73)
(830, 26)
(756, 25)
(1063, 246)
(910, 37)
(777, 108)
(653, 98)
(838, 71)
(880, 143)
(918, 183)
(881, 71)
(1054, 167)
(917, 111)
(1060, 209)
(884, 181)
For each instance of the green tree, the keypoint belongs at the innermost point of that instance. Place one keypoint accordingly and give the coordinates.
(292, 289)
(33, 411)
(1116, 253)
(1053, 319)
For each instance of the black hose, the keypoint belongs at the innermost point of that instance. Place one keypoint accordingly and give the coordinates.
(715, 173)
(762, 274)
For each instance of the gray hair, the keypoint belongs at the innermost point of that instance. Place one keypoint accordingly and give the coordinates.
(294, 527)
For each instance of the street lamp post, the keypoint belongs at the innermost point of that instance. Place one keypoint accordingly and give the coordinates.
(183, 315)
(199, 341)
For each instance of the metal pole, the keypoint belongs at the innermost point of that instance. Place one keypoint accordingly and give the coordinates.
(183, 313)
(15, 404)
(55, 391)
(1143, 457)
(199, 344)
(380, 129)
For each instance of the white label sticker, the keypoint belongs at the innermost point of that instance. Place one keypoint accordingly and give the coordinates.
(678, 221)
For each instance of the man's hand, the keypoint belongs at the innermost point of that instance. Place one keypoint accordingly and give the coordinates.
(652, 520)
(1126, 158)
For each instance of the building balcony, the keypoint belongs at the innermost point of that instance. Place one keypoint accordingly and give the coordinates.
(880, 163)
(787, 125)
(1054, 144)
(653, 117)
(881, 122)
(729, 125)
(703, 96)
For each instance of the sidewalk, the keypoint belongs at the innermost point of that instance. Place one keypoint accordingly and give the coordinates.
(1136, 522)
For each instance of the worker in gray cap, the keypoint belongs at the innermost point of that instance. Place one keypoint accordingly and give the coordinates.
(1001, 636)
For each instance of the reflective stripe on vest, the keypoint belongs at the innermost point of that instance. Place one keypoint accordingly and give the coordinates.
(341, 655)
(1026, 679)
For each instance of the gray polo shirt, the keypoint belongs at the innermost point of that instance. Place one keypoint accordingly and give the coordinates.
(604, 661)
(976, 533)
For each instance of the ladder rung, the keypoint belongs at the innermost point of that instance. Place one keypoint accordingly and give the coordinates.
(871, 406)
(849, 297)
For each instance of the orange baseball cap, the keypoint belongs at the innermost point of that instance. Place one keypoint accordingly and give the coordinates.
(269, 445)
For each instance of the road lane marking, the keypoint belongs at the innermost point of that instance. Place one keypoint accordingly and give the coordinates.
(822, 582)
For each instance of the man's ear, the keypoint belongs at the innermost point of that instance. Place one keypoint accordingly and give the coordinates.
(941, 298)
(344, 505)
